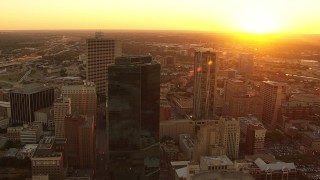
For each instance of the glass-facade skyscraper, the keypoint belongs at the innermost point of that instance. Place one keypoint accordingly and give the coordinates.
(133, 118)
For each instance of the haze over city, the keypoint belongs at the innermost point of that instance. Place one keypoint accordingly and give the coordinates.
(256, 16)
(159, 90)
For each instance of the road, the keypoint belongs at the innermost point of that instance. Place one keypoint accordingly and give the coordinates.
(101, 168)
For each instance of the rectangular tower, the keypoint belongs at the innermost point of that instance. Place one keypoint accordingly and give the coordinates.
(133, 118)
(246, 64)
(83, 98)
(27, 99)
(204, 84)
(61, 107)
(273, 96)
(100, 53)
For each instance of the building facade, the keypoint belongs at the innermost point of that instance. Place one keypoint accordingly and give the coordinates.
(273, 96)
(133, 118)
(27, 99)
(83, 98)
(205, 62)
(62, 107)
(100, 53)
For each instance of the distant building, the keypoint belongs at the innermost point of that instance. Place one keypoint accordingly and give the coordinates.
(169, 150)
(205, 62)
(100, 53)
(133, 114)
(216, 163)
(187, 145)
(27, 151)
(27, 99)
(273, 96)
(246, 64)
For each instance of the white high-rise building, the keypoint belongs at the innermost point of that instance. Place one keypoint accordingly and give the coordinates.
(100, 53)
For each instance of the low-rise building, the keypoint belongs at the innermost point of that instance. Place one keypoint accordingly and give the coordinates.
(170, 150)
(27, 151)
(186, 144)
(31, 134)
(311, 140)
(216, 163)
(13, 133)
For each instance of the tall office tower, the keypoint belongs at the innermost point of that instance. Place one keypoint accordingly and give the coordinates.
(255, 139)
(80, 144)
(61, 107)
(133, 117)
(230, 136)
(246, 64)
(46, 161)
(204, 84)
(273, 96)
(27, 99)
(83, 98)
(100, 53)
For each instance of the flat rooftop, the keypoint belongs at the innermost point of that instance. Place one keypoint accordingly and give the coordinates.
(274, 83)
(217, 160)
(30, 88)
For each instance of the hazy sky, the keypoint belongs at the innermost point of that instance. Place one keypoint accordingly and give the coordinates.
(294, 16)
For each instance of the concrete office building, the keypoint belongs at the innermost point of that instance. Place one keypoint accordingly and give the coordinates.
(100, 53)
(230, 136)
(46, 161)
(205, 62)
(27, 99)
(273, 96)
(83, 98)
(133, 118)
(61, 107)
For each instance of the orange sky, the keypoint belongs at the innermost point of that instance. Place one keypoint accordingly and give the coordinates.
(258, 16)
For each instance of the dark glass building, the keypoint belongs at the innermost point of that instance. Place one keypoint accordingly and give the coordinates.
(133, 118)
(27, 99)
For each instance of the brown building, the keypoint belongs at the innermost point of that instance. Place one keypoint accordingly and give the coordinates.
(80, 144)
(46, 160)
(273, 96)
(239, 102)
(83, 98)
(294, 110)
(255, 139)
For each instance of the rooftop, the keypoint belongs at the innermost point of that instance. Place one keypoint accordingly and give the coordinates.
(217, 160)
(30, 88)
(273, 166)
(274, 83)
(222, 176)
(134, 60)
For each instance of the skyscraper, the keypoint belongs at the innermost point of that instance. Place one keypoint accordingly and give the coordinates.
(27, 99)
(246, 64)
(133, 118)
(61, 107)
(204, 84)
(83, 98)
(80, 144)
(100, 53)
(273, 95)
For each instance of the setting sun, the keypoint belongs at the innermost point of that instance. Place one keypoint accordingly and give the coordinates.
(258, 21)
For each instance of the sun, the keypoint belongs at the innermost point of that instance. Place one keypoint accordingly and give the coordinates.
(259, 21)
